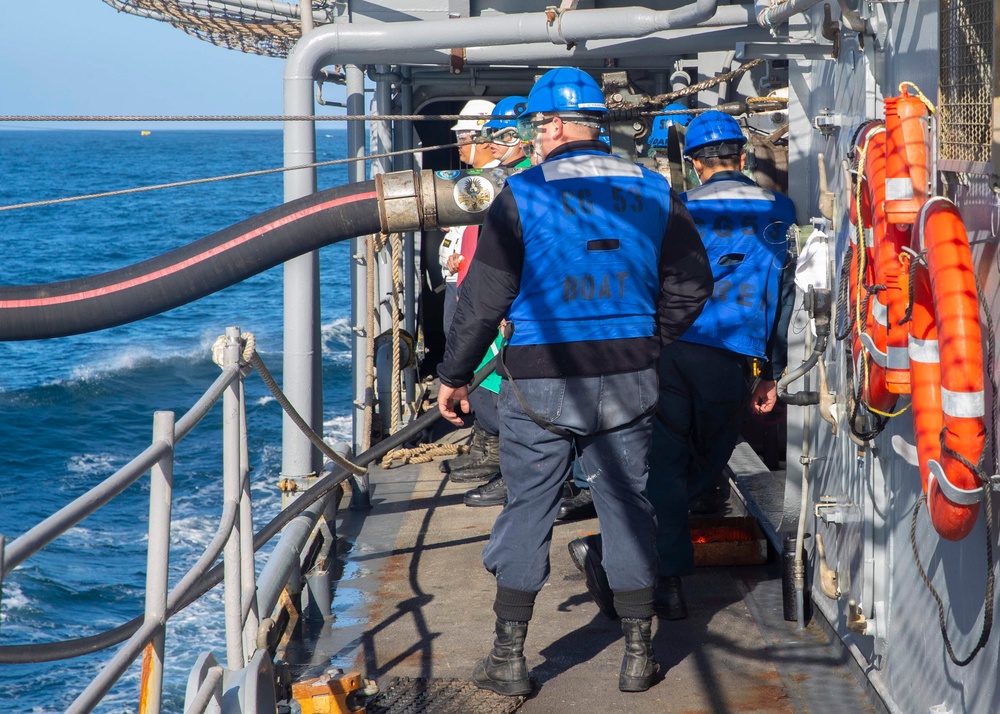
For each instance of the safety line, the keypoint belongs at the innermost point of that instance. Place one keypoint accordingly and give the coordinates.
(193, 182)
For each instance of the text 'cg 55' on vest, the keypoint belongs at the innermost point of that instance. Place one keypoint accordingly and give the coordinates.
(592, 226)
(745, 231)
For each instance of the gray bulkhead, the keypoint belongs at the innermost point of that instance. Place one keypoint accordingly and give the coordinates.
(871, 492)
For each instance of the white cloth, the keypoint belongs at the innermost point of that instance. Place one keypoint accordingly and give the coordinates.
(813, 267)
(451, 245)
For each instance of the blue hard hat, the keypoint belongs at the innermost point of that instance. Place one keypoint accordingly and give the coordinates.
(508, 107)
(566, 89)
(661, 125)
(712, 128)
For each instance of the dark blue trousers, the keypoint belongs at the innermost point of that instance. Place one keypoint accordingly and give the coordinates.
(704, 393)
(610, 419)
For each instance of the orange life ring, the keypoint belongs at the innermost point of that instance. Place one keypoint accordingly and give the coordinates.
(870, 334)
(947, 395)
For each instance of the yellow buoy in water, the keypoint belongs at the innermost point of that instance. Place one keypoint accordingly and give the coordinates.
(146, 133)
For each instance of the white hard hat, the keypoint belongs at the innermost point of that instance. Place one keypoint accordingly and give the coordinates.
(474, 106)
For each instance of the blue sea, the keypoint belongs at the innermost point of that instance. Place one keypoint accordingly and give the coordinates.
(73, 410)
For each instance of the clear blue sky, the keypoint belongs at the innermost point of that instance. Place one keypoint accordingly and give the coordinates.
(81, 57)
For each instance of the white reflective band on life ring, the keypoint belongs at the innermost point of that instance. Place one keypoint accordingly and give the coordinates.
(960, 496)
(868, 235)
(878, 356)
(897, 358)
(898, 189)
(923, 351)
(922, 215)
(963, 404)
(880, 312)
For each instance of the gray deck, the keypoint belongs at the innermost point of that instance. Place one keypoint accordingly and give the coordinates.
(415, 601)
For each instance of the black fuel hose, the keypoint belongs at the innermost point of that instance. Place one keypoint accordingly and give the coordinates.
(72, 307)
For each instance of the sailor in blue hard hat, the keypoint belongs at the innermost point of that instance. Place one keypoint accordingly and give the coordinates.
(713, 134)
(594, 263)
(505, 145)
(705, 381)
(560, 97)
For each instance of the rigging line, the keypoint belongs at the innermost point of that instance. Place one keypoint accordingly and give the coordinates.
(321, 117)
(705, 84)
(248, 117)
(262, 172)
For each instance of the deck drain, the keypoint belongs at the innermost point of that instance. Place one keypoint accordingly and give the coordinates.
(407, 695)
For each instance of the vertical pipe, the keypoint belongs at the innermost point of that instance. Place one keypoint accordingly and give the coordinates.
(247, 569)
(231, 493)
(383, 132)
(799, 570)
(302, 365)
(306, 16)
(405, 141)
(359, 298)
(157, 564)
(382, 143)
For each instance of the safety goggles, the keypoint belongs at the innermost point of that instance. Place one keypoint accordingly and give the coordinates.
(505, 137)
(527, 127)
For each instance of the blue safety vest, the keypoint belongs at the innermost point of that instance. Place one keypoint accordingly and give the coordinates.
(745, 230)
(592, 226)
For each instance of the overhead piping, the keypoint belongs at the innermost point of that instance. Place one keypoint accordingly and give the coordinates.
(770, 15)
(366, 44)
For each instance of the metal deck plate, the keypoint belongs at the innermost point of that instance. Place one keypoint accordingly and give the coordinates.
(415, 695)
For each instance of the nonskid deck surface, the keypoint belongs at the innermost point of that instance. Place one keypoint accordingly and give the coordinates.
(415, 602)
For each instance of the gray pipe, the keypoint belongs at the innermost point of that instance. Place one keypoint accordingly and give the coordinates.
(301, 360)
(593, 53)
(355, 80)
(403, 43)
(410, 274)
(285, 557)
(770, 16)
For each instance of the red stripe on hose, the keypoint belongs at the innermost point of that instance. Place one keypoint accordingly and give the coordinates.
(177, 267)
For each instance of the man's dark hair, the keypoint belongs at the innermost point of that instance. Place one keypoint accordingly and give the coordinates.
(720, 162)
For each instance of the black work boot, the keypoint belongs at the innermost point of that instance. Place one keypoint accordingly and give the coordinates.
(638, 666)
(587, 554)
(505, 670)
(476, 451)
(668, 599)
(577, 508)
(491, 493)
(485, 466)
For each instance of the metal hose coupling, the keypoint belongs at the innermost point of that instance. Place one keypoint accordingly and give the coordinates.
(409, 201)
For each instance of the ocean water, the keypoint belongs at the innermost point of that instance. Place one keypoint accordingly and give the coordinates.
(73, 410)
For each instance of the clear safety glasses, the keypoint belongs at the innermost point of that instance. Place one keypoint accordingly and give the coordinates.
(467, 137)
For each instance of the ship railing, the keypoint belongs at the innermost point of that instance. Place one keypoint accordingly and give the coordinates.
(297, 563)
(234, 539)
